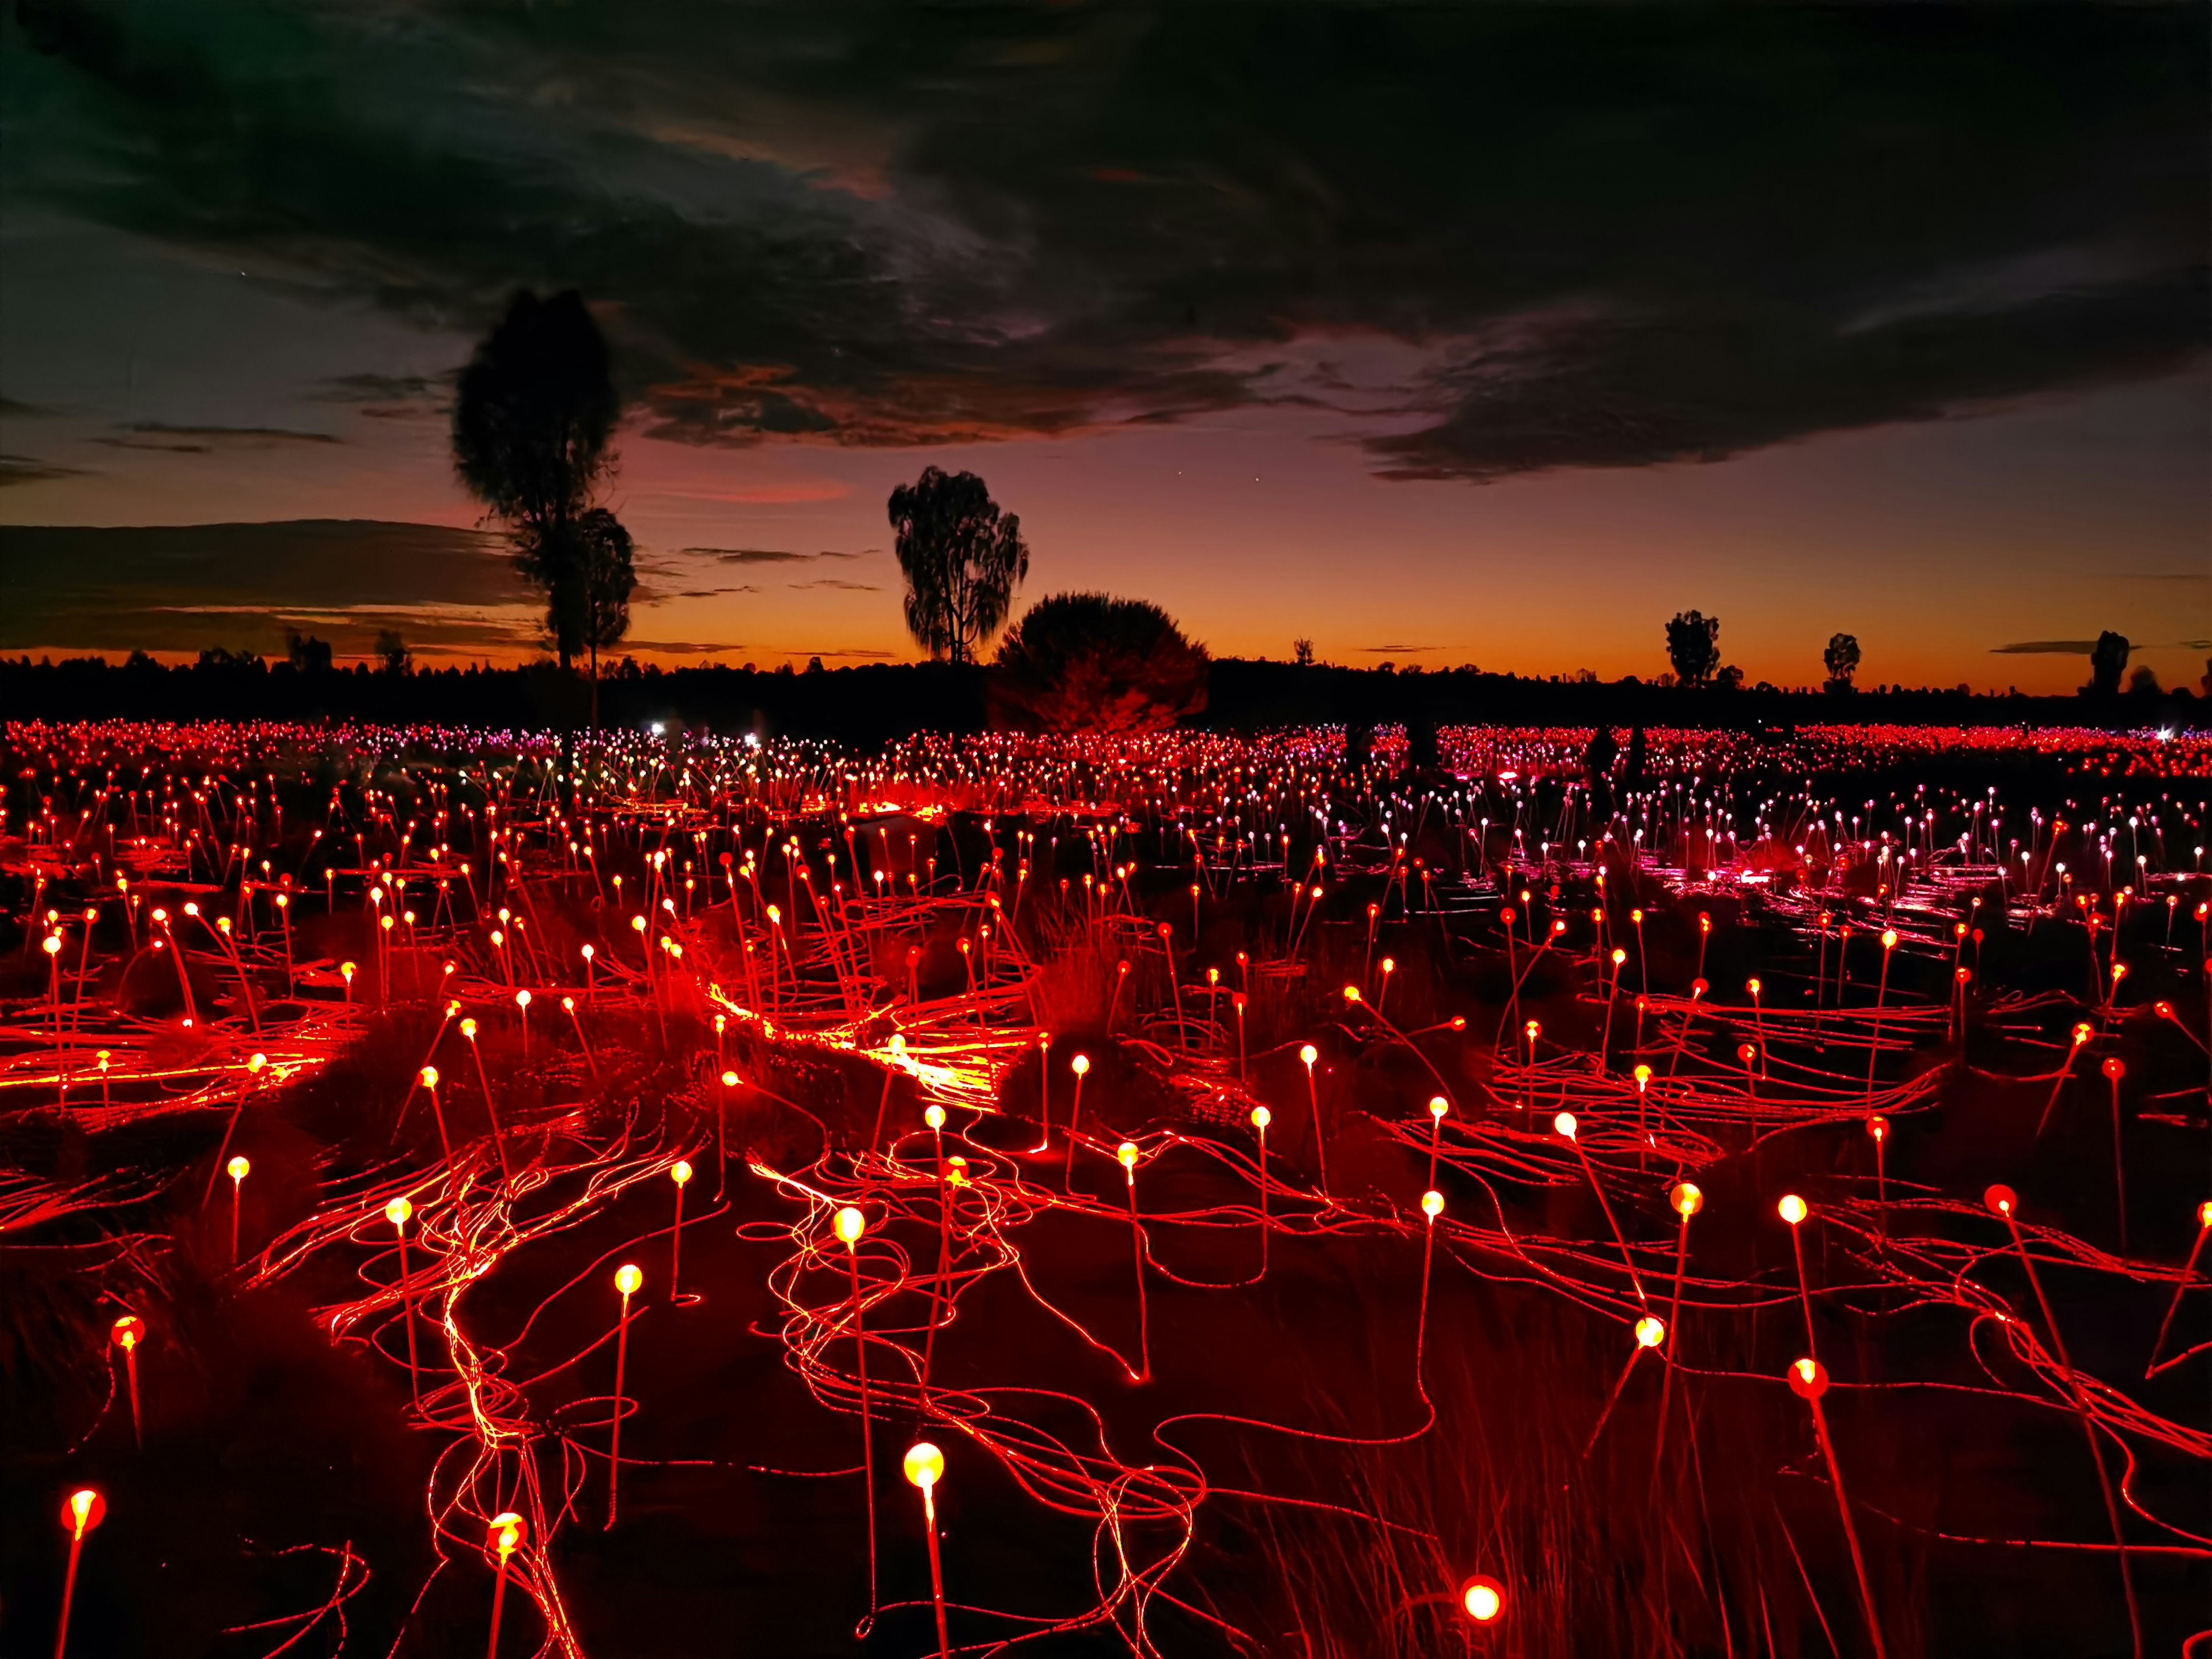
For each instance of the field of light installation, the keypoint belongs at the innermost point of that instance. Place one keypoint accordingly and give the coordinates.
(1190, 1195)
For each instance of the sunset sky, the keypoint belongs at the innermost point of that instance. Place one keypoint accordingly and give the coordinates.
(1439, 337)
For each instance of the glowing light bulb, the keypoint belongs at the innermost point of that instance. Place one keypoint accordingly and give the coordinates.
(1261, 1117)
(1482, 1598)
(82, 1510)
(680, 1172)
(1309, 1054)
(1889, 939)
(628, 1279)
(1126, 1151)
(1080, 1065)
(924, 1464)
(429, 1077)
(1687, 1199)
(507, 1531)
(238, 1168)
(934, 1116)
(1808, 1379)
(850, 1224)
(128, 1332)
(2002, 1198)
(1439, 1106)
(1651, 1331)
(399, 1211)
(1791, 1208)
(1565, 1123)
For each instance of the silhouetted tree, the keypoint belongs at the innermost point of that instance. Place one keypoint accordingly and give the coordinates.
(1087, 662)
(1693, 646)
(2107, 662)
(309, 654)
(2143, 683)
(608, 577)
(1302, 653)
(1841, 660)
(393, 651)
(963, 559)
(537, 405)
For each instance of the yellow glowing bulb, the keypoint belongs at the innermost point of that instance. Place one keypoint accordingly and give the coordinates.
(1565, 1123)
(1791, 1208)
(1650, 1332)
(506, 1531)
(1439, 1106)
(399, 1212)
(1483, 1600)
(1889, 939)
(255, 1062)
(429, 1077)
(1309, 1054)
(239, 1168)
(1126, 1151)
(1080, 1065)
(1261, 1117)
(729, 1079)
(850, 1224)
(522, 999)
(628, 1279)
(469, 1029)
(924, 1464)
(680, 1172)
(1432, 1204)
(1642, 1075)
(1687, 1199)
(934, 1116)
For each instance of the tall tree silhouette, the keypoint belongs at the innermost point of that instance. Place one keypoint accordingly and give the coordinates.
(609, 576)
(537, 405)
(963, 559)
(1841, 660)
(1693, 646)
(2108, 661)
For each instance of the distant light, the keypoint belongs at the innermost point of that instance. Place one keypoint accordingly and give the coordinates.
(655, 728)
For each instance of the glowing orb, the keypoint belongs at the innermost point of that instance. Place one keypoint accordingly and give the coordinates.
(851, 1223)
(1482, 1598)
(628, 1279)
(924, 1464)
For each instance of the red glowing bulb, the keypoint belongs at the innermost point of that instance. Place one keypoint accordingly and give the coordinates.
(82, 1510)
(2002, 1198)
(1808, 1379)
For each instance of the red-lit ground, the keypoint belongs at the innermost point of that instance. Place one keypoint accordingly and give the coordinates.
(1198, 1386)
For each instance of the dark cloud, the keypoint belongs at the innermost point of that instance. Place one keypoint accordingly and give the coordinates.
(1489, 239)
(713, 592)
(17, 408)
(205, 440)
(848, 587)
(2045, 648)
(28, 469)
(185, 587)
(1398, 650)
(385, 388)
(761, 554)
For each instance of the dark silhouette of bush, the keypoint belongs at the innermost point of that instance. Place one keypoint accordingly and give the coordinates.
(1088, 662)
